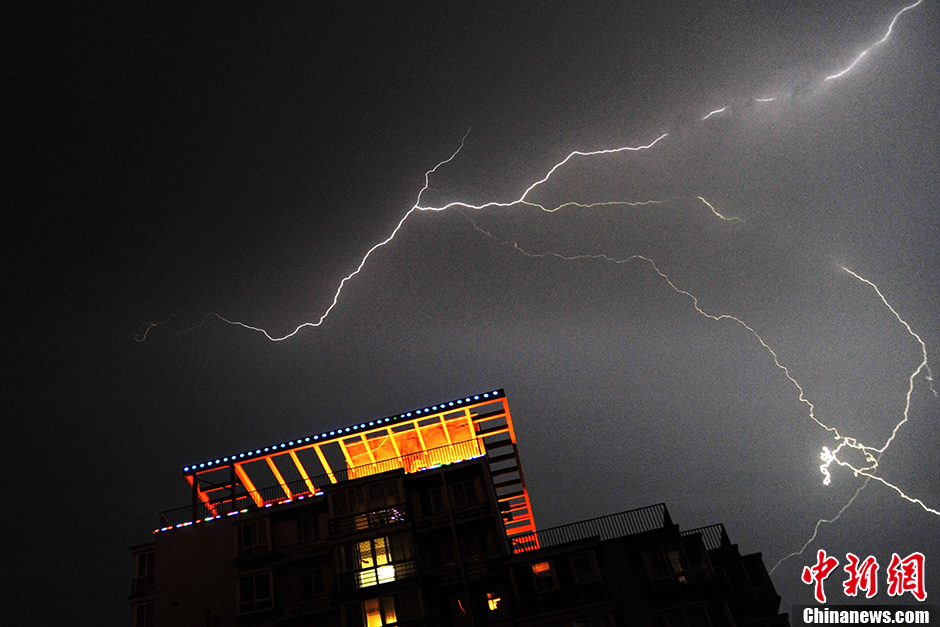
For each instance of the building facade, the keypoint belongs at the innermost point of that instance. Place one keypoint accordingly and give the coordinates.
(423, 519)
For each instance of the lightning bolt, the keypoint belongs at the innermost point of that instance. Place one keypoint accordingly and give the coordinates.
(715, 112)
(144, 332)
(864, 52)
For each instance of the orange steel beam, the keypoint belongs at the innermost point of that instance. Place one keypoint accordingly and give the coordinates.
(446, 432)
(303, 472)
(202, 496)
(365, 443)
(279, 477)
(252, 491)
(323, 462)
(349, 462)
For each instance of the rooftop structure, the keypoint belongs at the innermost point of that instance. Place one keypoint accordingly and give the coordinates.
(450, 432)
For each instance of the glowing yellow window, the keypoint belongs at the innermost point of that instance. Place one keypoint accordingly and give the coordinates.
(492, 601)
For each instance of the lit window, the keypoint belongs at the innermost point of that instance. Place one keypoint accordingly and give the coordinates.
(544, 576)
(377, 561)
(379, 612)
(492, 601)
(677, 563)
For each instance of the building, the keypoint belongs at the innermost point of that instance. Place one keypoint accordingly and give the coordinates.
(423, 519)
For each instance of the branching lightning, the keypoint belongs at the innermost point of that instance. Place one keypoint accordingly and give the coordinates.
(829, 455)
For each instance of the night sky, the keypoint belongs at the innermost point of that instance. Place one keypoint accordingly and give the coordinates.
(240, 160)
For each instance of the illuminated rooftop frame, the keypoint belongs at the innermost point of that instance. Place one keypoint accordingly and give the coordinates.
(413, 441)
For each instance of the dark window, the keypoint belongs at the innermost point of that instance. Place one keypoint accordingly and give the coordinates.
(313, 582)
(476, 544)
(309, 529)
(254, 592)
(465, 494)
(584, 567)
(145, 564)
(143, 615)
(253, 535)
(365, 498)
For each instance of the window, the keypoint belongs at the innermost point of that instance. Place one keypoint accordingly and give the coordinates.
(584, 567)
(252, 536)
(254, 592)
(677, 564)
(365, 498)
(143, 615)
(144, 564)
(492, 601)
(313, 582)
(476, 544)
(430, 501)
(371, 612)
(544, 576)
(464, 493)
(377, 560)
(143, 573)
(309, 529)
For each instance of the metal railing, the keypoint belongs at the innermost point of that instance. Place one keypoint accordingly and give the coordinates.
(142, 585)
(369, 520)
(368, 577)
(276, 494)
(713, 536)
(605, 527)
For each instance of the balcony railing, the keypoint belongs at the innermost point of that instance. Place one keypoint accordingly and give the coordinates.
(368, 577)
(369, 520)
(142, 585)
(605, 527)
(713, 536)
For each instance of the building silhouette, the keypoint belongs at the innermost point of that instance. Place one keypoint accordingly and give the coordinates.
(423, 519)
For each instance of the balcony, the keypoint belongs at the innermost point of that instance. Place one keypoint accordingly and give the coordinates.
(370, 520)
(387, 573)
(142, 586)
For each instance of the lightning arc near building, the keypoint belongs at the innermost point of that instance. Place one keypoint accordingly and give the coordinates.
(829, 454)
